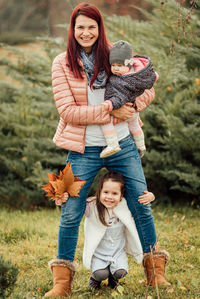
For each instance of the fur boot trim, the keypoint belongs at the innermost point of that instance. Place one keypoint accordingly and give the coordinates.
(157, 253)
(65, 263)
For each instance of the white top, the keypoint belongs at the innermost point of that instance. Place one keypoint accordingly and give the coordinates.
(94, 135)
(113, 241)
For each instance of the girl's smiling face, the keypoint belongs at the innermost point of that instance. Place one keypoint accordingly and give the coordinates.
(110, 194)
(86, 32)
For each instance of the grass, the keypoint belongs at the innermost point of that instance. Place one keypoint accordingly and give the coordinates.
(29, 240)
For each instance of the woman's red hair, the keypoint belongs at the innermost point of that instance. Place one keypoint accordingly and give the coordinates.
(102, 46)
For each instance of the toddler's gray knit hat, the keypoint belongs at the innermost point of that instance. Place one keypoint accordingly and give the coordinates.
(120, 51)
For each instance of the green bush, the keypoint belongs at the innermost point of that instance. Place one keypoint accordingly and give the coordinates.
(8, 277)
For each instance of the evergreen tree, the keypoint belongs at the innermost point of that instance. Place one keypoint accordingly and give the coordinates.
(28, 119)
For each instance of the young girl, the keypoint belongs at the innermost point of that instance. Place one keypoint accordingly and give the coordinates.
(110, 232)
(130, 77)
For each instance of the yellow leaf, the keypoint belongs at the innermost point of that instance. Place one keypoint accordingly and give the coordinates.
(120, 289)
(183, 217)
(182, 288)
(114, 294)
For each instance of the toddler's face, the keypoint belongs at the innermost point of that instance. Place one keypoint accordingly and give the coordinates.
(119, 69)
(110, 194)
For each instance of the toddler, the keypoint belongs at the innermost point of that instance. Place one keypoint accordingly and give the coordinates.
(130, 77)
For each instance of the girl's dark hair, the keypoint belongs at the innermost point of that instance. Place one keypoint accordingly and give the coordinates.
(74, 49)
(115, 177)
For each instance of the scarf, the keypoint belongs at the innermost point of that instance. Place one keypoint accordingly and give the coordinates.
(88, 62)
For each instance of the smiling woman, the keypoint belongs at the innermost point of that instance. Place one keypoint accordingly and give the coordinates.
(86, 32)
(79, 78)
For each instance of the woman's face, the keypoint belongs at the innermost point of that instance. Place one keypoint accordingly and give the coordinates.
(86, 32)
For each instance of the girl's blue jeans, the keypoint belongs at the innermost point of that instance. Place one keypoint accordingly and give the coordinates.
(86, 166)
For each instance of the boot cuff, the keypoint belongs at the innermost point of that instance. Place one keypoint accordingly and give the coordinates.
(64, 263)
(162, 252)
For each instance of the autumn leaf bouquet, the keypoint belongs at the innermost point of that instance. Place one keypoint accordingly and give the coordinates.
(61, 186)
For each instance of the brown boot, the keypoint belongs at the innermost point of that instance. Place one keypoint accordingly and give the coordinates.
(154, 267)
(63, 273)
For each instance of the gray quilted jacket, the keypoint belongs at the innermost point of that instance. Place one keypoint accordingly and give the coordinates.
(126, 88)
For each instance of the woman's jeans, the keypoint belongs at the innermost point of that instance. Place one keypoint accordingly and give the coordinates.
(86, 166)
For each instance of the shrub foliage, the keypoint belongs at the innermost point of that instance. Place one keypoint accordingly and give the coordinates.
(8, 277)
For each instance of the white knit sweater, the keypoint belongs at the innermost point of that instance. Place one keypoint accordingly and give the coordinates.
(94, 231)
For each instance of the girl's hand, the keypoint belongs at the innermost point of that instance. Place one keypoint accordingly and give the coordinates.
(59, 201)
(146, 198)
(124, 113)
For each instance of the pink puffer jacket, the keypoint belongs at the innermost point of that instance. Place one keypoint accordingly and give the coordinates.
(70, 95)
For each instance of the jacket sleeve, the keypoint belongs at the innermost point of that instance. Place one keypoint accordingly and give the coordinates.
(65, 102)
(89, 206)
(117, 102)
(145, 99)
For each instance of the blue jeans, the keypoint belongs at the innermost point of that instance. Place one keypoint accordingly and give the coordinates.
(86, 166)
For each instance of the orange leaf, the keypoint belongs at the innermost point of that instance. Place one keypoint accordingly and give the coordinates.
(52, 177)
(68, 176)
(54, 185)
(48, 188)
(65, 182)
(61, 187)
(75, 188)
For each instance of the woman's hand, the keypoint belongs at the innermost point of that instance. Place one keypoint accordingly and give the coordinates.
(59, 201)
(125, 112)
(146, 198)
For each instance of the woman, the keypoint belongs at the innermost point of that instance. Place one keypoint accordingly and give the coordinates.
(79, 78)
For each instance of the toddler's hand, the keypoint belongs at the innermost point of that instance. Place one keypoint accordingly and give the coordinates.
(105, 106)
(142, 151)
(146, 198)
